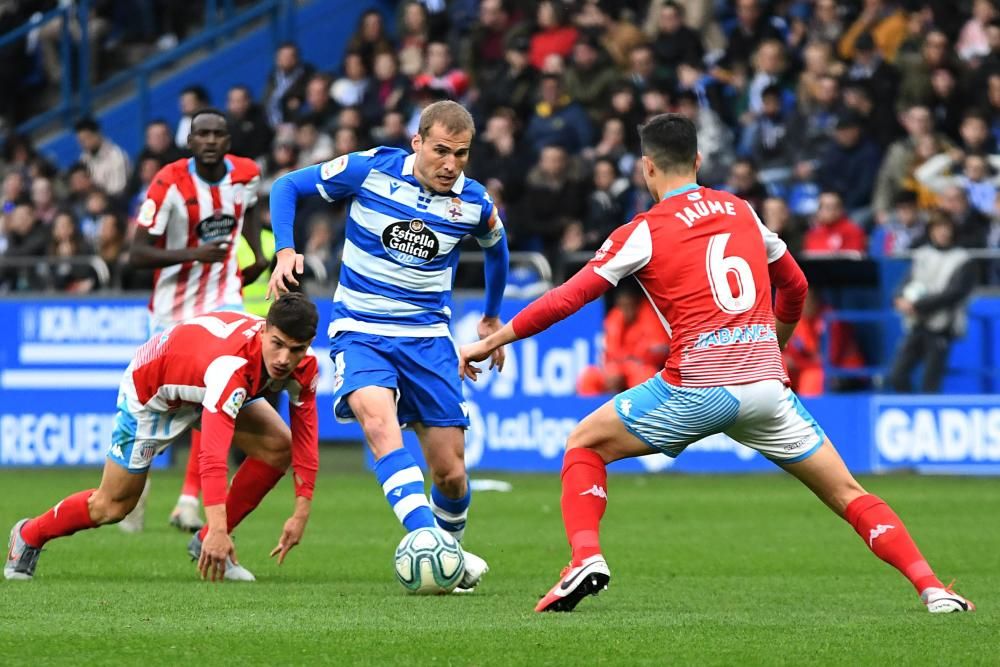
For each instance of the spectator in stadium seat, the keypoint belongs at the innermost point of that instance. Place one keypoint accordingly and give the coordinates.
(832, 231)
(768, 137)
(902, 230)
(498, 154)
(414, 34)
(144, 174)
(318, 102)
(66, 241)
(554, 33)
(933, 302)
(825, 24)
(915, 85)
(349, 89)
(974, 133)
(643, 72)
(79, 185)
(388, 90)
(972, 228)
(590, 77)
(346, 140)
(625, 106)
(612, 146)
(159, 144)
(849, 166)
(12, 190)
(743, 183)
(947, 102)
(674, 42)
(879, 120)
(482, 50)
(752, 26)
(44, 200)
(635, 345)
(818, 62)
(977, 174)
(25, 236)
(769, 68)
(192, 100)
(314, 146)
(516, 84)
(554, 198)
(884, 20)
(107, 162)
(392, 131)
(370, 39)
(868, 66)
(283, 158)
(605, 211)
(901, 158)
(558, 119)
(286, 84)
(96, 204)
(973, 42)
(777, 217)
(250, 135)
(440, 73)
(814, 128)
(715, 139)
(111, 244)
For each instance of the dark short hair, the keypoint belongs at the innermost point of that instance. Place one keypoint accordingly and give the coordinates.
(295, 315)
(670, 140)
(207, 111)
(86, 124)
(198, 91)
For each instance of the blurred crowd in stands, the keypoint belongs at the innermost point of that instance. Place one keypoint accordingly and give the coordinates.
(846, 124)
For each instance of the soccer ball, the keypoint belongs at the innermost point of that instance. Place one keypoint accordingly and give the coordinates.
(429, 561)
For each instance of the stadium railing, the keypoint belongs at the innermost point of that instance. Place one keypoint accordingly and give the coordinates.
(77, 94)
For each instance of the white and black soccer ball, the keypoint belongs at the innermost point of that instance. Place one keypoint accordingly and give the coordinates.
(429, 561)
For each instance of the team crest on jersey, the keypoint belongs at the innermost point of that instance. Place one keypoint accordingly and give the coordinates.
(603, 250)
(333, 167)
(455, 209)
(146, 213)
(235, 401)
(410, 242)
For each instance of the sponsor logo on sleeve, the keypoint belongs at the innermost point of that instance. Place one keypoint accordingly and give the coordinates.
(602, 252)
(333, 167)
(235, 401)
(146, 213)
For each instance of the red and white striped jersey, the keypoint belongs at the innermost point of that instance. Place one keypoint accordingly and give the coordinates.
(213, 364)
(702, 256)
(181, 210)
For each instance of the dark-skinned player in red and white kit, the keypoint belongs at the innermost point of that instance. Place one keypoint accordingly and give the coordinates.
(707, 265)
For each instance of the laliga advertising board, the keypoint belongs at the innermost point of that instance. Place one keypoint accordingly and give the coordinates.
(61, 361)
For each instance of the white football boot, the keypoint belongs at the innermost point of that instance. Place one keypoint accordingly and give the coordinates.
(21, 557)
(234, 572)
(185, 516)
(475, 568)
(945, 601)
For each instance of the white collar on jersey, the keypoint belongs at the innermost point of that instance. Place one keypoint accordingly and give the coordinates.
(408, 171)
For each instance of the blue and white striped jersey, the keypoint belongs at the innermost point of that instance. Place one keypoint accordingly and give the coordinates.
(401, 245)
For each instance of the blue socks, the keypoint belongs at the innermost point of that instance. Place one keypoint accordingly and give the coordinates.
(403, 484)
(451, 513)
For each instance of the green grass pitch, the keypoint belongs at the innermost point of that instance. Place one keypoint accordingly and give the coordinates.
(705, 570)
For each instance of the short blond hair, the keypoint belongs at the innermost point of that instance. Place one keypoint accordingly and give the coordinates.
(451, 115)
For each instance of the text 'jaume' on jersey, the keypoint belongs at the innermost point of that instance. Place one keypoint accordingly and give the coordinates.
(703, 208)
(751, 333)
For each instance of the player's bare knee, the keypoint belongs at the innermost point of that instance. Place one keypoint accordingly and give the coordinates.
(379, 431)
(451, 481)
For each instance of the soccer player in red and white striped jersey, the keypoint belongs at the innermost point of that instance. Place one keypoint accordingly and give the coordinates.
(707, 266)
(188, 228)
(211, 368)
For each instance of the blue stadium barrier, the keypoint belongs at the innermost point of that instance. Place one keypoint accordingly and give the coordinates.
(61, 361)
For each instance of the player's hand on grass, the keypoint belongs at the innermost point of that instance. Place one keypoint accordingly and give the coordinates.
(291, 535)
(214, 550)
(289, 263)
(211, 252)
(469, 353)
(488, 326)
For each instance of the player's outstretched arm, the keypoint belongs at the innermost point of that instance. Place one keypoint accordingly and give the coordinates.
(540, 314)
(305, 465)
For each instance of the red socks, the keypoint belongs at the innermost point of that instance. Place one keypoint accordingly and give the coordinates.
(584, 499)
(886, 536)
(70, 515)
(192, 474)
(252, 482)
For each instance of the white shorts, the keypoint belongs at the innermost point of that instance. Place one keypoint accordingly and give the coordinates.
(766, 416)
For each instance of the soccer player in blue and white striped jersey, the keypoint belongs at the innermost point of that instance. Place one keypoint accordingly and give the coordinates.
(396, 364)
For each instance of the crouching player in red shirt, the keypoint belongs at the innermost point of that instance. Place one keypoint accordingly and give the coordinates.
(707, 265)
(208, 369)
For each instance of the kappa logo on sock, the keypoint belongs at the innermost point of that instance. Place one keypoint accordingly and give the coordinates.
(597, 491)
(878, 531)
(55, 510)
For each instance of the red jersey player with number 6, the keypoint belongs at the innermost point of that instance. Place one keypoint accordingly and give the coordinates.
(706, 264)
